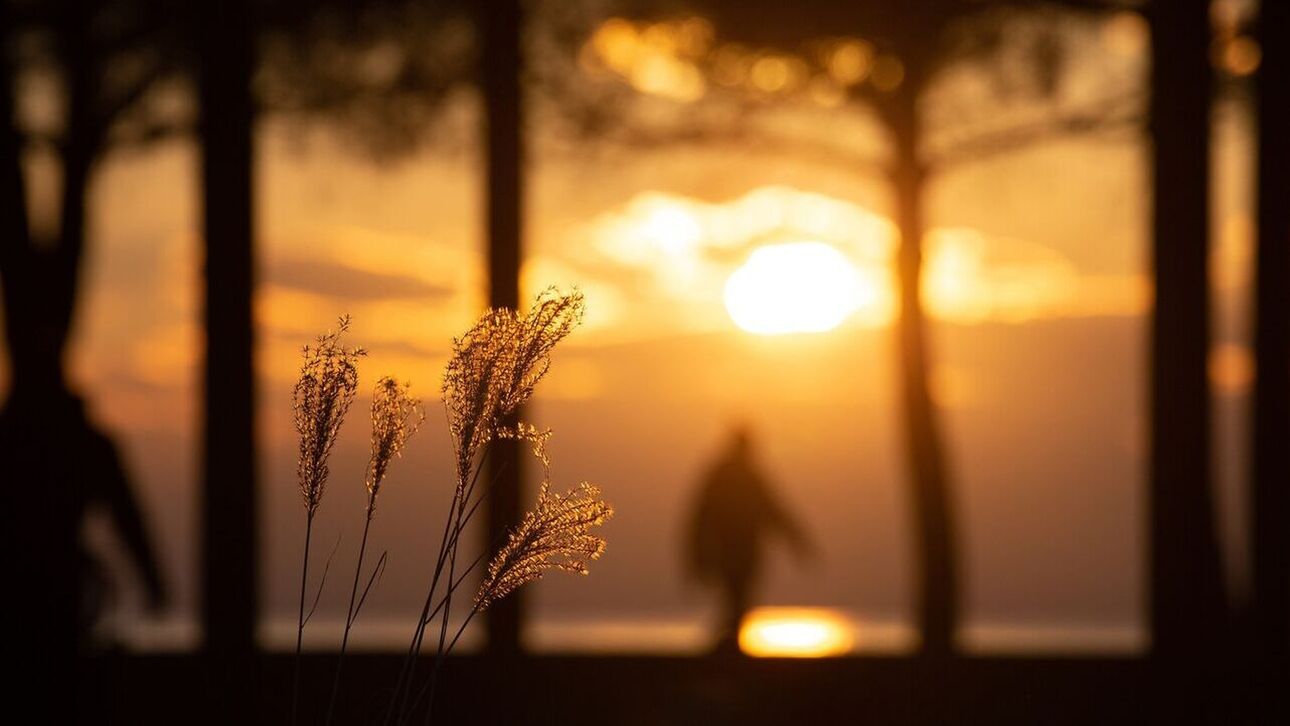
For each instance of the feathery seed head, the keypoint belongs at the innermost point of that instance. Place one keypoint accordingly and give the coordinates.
(396, 415)
(537, 438)
(496, 365)
(554, 536)
(319, 400)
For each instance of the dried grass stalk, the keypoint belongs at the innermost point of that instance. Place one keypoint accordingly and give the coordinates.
(555, 536)
(496, 365)
(396, 415)
(320, 400)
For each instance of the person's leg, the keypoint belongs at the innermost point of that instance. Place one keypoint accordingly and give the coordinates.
(736, 597)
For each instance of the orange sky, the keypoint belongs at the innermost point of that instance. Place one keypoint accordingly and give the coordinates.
(1034, 280)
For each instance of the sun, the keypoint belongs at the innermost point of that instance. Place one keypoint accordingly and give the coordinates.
(779, 632)
(798, 287)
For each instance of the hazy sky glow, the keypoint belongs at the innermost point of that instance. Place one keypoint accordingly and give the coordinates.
(1034, 280)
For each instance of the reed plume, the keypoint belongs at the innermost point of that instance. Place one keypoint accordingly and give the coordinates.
(320, 399)
(495, 367)
(396, 415)
(553, 536)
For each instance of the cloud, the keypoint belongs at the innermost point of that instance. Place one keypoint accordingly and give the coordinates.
(335, 280)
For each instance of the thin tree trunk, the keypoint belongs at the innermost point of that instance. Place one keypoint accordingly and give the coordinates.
(41, 422)
(936, 596)
(1270, 458)
(81, 143)
(230, 579)
(37, 540)
(502, 24)
(1187, 600)
(15, 248)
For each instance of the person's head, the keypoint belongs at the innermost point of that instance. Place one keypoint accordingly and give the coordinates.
(741, 438)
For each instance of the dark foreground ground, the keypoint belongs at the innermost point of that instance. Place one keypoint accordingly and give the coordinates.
(635, 690)
(628, 691)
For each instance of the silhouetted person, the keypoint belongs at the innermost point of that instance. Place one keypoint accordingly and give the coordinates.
(735, 514)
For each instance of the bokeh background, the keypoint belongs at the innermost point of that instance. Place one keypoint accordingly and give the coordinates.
(722, 182)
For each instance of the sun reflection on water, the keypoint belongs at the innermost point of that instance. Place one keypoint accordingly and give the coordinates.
(796, 633)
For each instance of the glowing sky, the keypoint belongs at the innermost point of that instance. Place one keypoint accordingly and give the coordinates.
(1033, 279)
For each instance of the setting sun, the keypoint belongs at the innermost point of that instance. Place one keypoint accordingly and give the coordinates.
(802, 287)
(770, 632)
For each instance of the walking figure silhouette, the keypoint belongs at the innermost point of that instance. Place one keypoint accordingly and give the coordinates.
(735, 514)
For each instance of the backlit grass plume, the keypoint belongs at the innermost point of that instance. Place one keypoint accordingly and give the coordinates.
(396, 415)
(494, 368)
(320, 400)
(496, 365)
(554, 536)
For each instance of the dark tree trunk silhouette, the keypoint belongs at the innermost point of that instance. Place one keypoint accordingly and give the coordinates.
(80, 144)
(1270, 458)
(33, 538)
(61, 463)
(501, 58)
(14, 248)
(1187, 599)
(229, 534)
(936, 594)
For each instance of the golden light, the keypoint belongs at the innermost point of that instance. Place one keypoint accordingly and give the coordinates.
(970, 278)
(1240, 55)
(655, 59)
(1231, 368)
(850, 61)
(667, 77)
(799, 287)
(616, 42)
(795, 633)
(887, 73)
(1126, 34)
(770, 73)
(672, 230)
(827, 93)
(730, 64)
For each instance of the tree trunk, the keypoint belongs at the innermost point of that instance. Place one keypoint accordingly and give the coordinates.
(81, 144)
(936, 596)
(78, 162)
(36, 533)
(15, 248)
(501, 26)
(45, 439)
(230, 569)
(1270, 458)
(1187, 600)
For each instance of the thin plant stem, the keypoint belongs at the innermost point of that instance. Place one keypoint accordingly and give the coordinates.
(349, 613)
(452, 563)
(447, 609)
(300, 621)
(452, 587)
(409, 662)
(456, 518)
(445, 605)
(454, 527)
(457, 583)
(429, 687)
